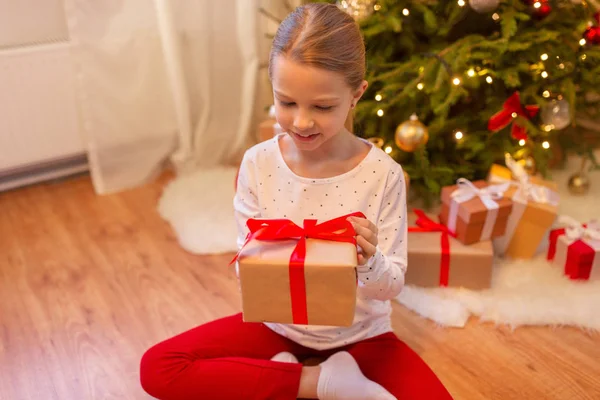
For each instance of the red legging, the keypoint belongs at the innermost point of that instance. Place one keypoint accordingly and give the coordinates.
(228, 359)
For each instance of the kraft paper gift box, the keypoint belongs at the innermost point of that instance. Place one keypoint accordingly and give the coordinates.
(268, 129)
(576, 249)
(435, 258)
(534, 210)
(475, 211)
(303, 276)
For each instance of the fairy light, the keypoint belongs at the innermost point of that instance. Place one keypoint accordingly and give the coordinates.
(471, 72)
(456, 81)
(582, 42)
(377, 7)
(388, 149)
(380, 112)
(544, 57)
(420, 86)
(583, 57)
(544, 74)
(489, 80)
(458, 135)
(461, 3)
(514, 115)
(522, 142)
(537, 4)
(546, 93)
(546, 145)
(496, 16)
(406, 12)
(548, 128)
(378, 97)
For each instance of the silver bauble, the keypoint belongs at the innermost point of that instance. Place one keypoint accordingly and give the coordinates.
(484, 6)
(556, 114)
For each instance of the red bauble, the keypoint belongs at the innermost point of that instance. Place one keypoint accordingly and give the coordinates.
(592, 35)
(540, 12)
(543, 11)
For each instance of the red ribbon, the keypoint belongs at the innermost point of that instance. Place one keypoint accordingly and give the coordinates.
(512, 107)
(336, 230)
(426, 224)
(554, 235)
(580, 256)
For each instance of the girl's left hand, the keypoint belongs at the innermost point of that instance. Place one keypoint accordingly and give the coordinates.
(366, 238)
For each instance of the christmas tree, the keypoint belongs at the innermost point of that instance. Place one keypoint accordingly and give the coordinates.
(454, 85)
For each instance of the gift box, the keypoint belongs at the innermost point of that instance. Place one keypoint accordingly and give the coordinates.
(576, 249)
(268, 129)
(534, 210)
(294, 275)
(475, 211)
(435, 258)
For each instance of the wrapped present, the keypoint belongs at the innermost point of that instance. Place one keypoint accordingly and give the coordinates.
(576, 249)
(269, 128)
(299, 275)
(435, 258)
(475, 211)
(534, 210)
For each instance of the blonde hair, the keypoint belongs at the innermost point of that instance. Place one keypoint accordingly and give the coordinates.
(323, 36)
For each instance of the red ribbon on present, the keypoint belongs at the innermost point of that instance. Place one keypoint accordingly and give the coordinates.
(426, 224)
(336, 230)
(512, 108)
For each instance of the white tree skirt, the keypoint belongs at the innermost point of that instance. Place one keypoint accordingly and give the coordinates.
(199, 206)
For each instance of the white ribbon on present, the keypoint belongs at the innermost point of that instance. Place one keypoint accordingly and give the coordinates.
(574, 231)
(466, 191)
(526, 191)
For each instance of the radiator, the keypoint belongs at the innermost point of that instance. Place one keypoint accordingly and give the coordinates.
(39, 132)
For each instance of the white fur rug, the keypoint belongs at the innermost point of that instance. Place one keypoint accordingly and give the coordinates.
(199, 207)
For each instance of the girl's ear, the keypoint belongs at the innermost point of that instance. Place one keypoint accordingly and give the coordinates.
(359, 92)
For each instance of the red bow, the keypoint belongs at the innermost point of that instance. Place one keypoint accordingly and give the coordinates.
(511, 109)
(426, 224)
(337, 230)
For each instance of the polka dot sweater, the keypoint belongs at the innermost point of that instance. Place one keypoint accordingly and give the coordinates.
(268, 188)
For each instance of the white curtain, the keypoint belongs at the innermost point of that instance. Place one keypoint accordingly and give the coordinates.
(162, 80)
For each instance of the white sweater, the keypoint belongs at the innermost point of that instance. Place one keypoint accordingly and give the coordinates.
(267, 188)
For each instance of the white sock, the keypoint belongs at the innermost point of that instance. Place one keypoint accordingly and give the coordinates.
(341, 379)
(285, 357)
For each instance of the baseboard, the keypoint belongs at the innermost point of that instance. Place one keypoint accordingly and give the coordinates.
(47, 171)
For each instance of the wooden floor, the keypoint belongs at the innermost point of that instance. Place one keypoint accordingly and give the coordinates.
(87, 283)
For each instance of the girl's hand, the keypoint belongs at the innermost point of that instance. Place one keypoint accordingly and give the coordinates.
(366, 238)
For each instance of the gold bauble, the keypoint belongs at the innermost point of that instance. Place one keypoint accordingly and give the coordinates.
(358, 9)
(406, 181)
(529, 166)
(411, 134)
(579, 184)
(377, 141)
(526, 160)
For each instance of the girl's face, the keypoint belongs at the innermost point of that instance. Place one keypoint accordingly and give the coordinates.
(311, 104)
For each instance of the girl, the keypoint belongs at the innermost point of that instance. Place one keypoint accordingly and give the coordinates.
(319, 170)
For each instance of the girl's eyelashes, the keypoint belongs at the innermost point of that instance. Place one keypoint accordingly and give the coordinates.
(291, 104)
(287, 104)
(324, 108)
